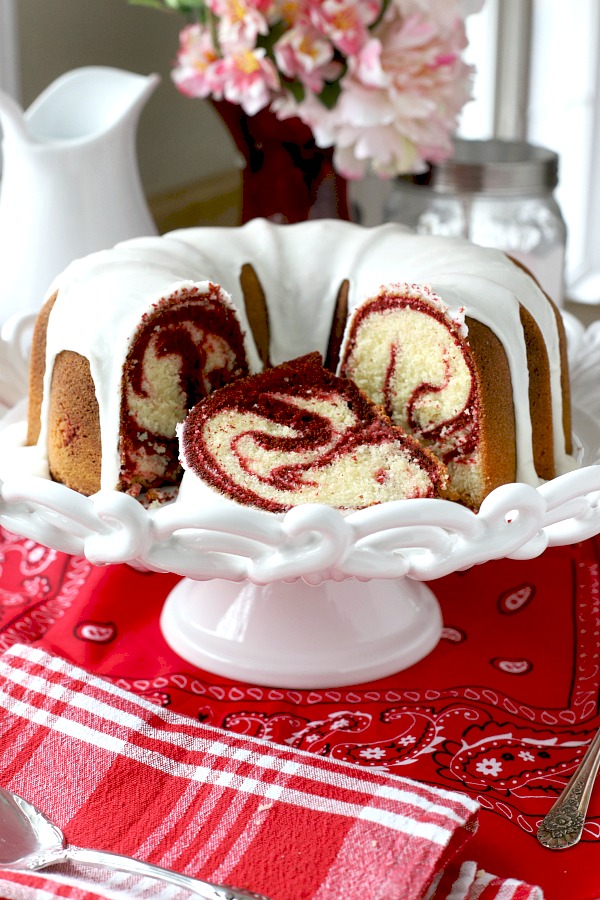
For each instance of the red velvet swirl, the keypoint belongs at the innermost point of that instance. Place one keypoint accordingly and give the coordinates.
(178, 317)
(265, 396)
(452, 438)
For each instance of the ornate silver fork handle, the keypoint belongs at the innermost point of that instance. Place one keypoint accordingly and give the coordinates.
(563, 825)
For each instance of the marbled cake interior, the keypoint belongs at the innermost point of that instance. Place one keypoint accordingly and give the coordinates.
(410, 357)
(295, 434)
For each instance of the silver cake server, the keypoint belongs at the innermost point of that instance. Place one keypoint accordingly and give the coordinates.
(29, 840)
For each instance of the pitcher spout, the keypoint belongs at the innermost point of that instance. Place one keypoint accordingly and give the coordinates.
(87, 102)
(70, 179)
(12, 119)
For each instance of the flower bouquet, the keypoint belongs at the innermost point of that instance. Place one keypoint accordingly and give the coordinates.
(380, 83)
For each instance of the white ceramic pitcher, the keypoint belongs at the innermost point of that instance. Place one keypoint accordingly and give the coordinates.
(70, 182)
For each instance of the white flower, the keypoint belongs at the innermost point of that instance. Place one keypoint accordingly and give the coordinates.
(526, 756)
(491, 766)
(372, 753)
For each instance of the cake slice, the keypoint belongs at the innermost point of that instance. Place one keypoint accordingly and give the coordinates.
(297, 433)
(442, 377)
(107, 412)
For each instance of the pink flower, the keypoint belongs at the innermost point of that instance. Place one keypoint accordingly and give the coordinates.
(367, 65)
(345, 22)
(302, 53)
(443, 12)
(193, 73)
(287, 11)
(400, 98)
(240, 22)
(248, 78)
(394, 71)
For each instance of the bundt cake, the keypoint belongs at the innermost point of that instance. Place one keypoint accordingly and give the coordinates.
(296, 433)
(284, 291)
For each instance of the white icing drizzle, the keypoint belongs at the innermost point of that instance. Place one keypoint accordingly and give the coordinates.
(102, 297)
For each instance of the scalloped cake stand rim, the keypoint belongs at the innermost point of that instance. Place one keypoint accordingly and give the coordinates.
(297, 635)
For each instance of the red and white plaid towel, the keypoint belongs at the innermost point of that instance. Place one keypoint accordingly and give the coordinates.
(119, 773)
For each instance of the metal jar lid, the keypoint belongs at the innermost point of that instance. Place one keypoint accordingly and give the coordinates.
(494, 166)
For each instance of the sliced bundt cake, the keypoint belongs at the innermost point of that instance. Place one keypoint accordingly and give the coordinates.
(502, 386)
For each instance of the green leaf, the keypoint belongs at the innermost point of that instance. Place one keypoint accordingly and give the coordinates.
(268, 41)
(187, 5)
(183, 6)
(154, 4)
(382, 12)
(330, 94)
(296, 89)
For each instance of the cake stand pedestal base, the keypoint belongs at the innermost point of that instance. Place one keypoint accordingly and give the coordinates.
(297, 635)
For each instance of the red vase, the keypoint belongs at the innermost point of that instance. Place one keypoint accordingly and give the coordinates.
(287, 178)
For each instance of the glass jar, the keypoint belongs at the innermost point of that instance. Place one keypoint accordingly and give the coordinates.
(497, 194)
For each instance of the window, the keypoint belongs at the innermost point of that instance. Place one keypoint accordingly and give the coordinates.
(537, 79)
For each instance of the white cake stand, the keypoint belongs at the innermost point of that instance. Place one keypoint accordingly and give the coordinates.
(312, 598)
